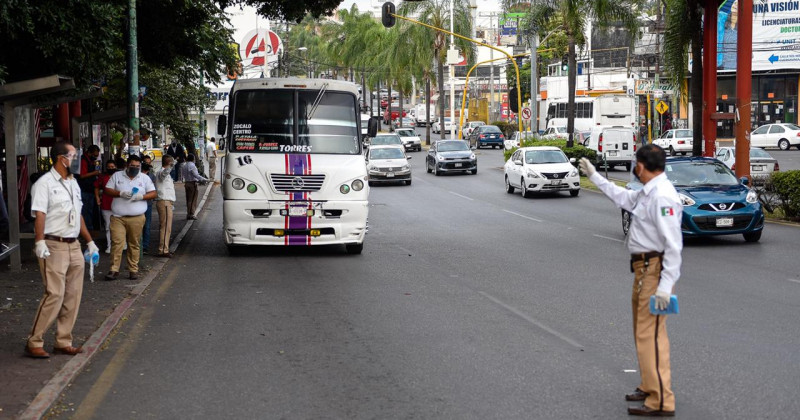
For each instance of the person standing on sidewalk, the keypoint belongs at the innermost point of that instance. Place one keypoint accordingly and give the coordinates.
(655, 243)
(211, 154)
(89, 171)
(177, 151)
(165, 204)
(129, 188)
(56, 204)
(191, 177)
(103, 200)
(148, 214)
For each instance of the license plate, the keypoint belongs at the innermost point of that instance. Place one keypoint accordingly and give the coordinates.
(297, 211)
(554, 182)
(458, 165)
(612, 153)
(390, 175)
(758, 168)
(725, 222)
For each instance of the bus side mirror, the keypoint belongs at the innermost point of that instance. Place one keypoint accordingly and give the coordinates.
(372, 128)
(222, 125)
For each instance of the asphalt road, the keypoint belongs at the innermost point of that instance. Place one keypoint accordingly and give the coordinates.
(467, 303)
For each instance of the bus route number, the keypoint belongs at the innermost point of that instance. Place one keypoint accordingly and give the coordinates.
(244, 160)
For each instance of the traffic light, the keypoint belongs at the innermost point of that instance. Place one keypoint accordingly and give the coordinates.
(513, 105)
(565, 63)
(387, 12)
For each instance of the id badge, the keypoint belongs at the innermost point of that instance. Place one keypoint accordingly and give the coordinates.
(73, 218)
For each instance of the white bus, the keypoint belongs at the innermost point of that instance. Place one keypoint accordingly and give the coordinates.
(590, 112)
(293, 171)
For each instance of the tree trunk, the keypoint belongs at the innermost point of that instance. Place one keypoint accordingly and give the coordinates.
(696, 91)
(389, 104)
(571, 82)
(441, 98)
(428, 110)
(363, 92)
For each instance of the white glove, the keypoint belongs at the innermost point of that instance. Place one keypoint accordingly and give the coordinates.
(41, 250)
(92, 248)
(137, 197)
(587, 167)
(126, 194)
(662, 300)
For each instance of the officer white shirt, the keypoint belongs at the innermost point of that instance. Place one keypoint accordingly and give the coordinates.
(656, 214)
(60, 200)
(121, 182)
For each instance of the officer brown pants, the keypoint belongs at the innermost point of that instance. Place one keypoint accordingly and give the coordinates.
(62, 273)
(652, 343)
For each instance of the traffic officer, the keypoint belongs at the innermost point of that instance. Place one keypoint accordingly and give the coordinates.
(655, 243)
(56, 205)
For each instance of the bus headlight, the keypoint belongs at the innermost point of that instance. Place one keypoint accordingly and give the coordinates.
(237, 183)
(252, 188)
(344, 189)
(358, 185)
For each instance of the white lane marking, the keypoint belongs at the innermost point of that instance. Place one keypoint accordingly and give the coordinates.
(629, 370)
(462, 196)
(609, 238)
(794, 280)
(522, 215)
(526, 317)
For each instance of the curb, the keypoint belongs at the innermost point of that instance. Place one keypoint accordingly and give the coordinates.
(53, 389)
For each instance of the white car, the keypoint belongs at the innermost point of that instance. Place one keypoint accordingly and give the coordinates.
(467, 130)
(388, 164)
(437, 126)
(676, 141)
(411, 140)
(782, 136)
(541, 169)
(513, 142)
(762, 165)
(553, 133)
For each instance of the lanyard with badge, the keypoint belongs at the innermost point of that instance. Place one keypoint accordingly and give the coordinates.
(73, 213)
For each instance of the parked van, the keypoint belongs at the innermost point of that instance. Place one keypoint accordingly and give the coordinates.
(616, 144)
(419, 115)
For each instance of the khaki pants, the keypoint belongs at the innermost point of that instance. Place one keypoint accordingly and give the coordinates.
(652, 343)
(62, 273)
(126, 229)
(191, 197)
(212, 167)
(164, 208)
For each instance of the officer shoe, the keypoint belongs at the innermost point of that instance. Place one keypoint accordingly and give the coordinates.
(637, 395)
(112, 275)
(646, 411)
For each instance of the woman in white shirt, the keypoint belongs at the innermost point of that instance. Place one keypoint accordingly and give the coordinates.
(165, 204)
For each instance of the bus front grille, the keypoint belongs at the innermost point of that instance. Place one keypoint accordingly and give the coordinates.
(283, 182)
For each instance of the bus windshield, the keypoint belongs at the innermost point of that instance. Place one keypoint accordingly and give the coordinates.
(295, 121)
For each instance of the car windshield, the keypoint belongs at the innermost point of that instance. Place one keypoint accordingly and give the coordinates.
(536, 157)
(490, 129)
(759, 153)
(688, 174)
(452, 146)
(387, 153)
(381, 140)
(405, 133)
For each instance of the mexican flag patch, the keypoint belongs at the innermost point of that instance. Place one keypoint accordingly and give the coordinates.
(667, 211)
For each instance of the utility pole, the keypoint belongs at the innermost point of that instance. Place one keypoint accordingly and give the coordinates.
(133, 82)
(656, 119)
(534, 83)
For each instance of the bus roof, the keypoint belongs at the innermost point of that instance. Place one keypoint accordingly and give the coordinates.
(295, 83)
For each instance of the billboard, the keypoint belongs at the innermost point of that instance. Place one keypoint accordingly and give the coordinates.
(776, 26)
(508, 23)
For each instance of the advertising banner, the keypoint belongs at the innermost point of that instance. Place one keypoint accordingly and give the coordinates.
(776, 26)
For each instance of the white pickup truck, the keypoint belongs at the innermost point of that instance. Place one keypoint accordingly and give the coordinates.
(617, 144)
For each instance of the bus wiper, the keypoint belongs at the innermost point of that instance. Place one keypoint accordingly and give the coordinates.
(317, 101)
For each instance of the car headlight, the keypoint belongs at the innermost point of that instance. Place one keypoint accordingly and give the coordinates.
(573, 173)
(252, 188)
(532, 174)
(357, 185)
(752, 197)
(406, 167)
(344, 189)
(440, 157)
(237, 183)
(472, 156)
(686, 200)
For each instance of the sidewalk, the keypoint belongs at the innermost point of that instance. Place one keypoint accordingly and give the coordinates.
(22, 378)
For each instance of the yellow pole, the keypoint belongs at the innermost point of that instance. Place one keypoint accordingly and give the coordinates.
(466, 82)
(508, 56)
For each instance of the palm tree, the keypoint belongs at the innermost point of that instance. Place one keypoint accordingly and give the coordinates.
(684, 29)
(437, 13)
(573, 16)
(418, 60)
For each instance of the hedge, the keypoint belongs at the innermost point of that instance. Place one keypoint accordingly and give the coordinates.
(787, 186)
(506, 128)
(577, 151)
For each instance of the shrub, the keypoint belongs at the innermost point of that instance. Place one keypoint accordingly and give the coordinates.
(577, 151)
(787, 186)
(505, 127)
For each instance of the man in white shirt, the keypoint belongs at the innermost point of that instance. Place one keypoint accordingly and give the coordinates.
(165, 204)
(56, 204)
(129, 188)
(211, 154)
(655, 243)
(191, 177)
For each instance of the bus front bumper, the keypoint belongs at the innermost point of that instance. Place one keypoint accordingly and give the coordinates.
(250, 222)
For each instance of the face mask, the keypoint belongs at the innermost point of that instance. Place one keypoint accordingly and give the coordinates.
(70, 160)
(111, 171)
(132, 172)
